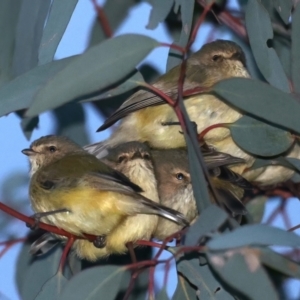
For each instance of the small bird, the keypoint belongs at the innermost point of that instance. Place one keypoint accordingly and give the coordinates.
(147, 118)
(134, 160)
(73, 190)
(175, 187)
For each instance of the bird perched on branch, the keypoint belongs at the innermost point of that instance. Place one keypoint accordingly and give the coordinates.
(175, 186)
(73, 190)
(146, 117)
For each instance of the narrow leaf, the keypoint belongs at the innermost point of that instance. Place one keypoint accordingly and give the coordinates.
(58, 19)
(259, 28)
(159, 12)
(296, 49)
(284, 8)
(99, 67)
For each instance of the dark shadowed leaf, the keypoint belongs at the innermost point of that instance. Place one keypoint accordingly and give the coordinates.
(257, 235)
(296, 49)
(209, 221)
(260, 30)
(256, 208)
(28, 125)
(243, 272)
(203, 279)
(19, 93)
(115, 12)
(186, 10)
(52, 288)
(284, 8)
(256, 98)
(29, 32)
(58, 19)
(100, 66)
(279, 263)
(162, 295)
(126, 86)
(98, 282)
(33, 273)
(159, 12)
(71, 122)
(259, 138)
(9, 12)
(184, 290)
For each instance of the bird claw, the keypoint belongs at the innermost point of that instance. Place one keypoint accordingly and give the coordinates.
(100, 241)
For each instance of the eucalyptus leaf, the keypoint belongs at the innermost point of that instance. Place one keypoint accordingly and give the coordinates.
(209, 221)
(259, 28)
(159, 12)
(29, 32)
(256, 208)
(256, 235)
(9, 12)
(187, 14)
(58, 19)
(100, 66)
(28, 125)
(295, 66)
(19, 93)
(203, 279)
(184, 290)
(52, 288)
(279, 263)
(259, 138)
(284, 8)
(93, 283)
(261, 100)
(243, 272)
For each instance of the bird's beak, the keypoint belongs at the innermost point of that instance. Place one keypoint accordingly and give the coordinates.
(28, 152)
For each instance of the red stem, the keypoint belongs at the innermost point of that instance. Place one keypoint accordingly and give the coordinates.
(65, 253)
(103, 19)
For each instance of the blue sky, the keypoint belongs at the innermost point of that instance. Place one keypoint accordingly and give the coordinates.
(13, 140)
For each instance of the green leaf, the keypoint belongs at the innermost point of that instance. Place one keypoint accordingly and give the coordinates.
(187, 16)
(29, 34)
(159, 12)
(257, 235)
(58, 19)
(184, 290)
(279, 263)
(33, 273)
(28, 125)
(100, 66)
(259, 138)
(52, 288)
(162, 295)
(284, 8)
(243, 272)
(257, 99)
(9, 12)
(93, 283)
(203, 279)
(19, 93)
(295, 65)
(256, 208)
(259, 28)
(209, 220)
(131, 83)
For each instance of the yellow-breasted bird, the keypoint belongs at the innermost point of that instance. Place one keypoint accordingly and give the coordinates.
(73, 190)
(145, 116)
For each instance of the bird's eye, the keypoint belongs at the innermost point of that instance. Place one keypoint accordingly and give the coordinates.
(52, 149)
(121, 158)
(216, 57)
(179, 176)
(146, 156)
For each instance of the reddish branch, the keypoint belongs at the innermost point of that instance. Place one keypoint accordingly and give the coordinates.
(103, 19)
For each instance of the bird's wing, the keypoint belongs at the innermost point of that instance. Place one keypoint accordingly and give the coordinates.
(167, 83)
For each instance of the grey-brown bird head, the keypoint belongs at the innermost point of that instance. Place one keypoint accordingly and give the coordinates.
(219, 60)
(48, 149)
(128, 156)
